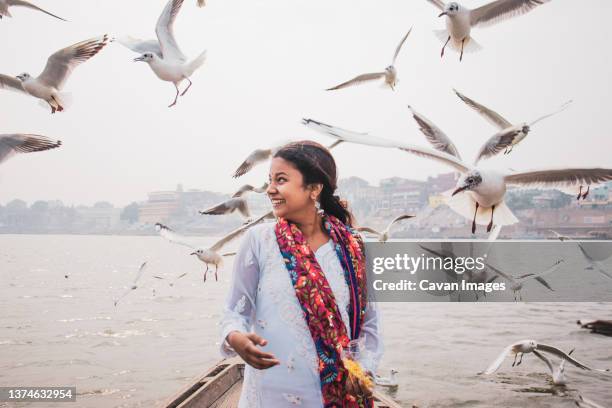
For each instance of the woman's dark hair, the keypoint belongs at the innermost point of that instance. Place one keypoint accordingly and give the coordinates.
(318, 166)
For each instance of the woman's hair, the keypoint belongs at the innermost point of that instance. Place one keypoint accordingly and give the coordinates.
(318, 166)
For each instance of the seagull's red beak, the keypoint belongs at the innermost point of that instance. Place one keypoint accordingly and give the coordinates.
(458, 190)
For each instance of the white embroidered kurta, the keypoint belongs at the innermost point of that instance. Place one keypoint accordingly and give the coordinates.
(262, 299)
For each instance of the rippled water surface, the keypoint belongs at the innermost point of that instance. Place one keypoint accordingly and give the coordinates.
(57, 330)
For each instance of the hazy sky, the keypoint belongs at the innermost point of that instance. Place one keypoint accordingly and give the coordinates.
(268, 65)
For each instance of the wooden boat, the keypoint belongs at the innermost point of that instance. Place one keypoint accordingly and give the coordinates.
(220, 387)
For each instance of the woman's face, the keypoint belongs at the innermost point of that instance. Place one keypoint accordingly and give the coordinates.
(290, 198)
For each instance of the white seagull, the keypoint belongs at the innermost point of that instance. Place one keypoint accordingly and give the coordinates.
(593, 263)
(5, 4)
(460, 20)
(262, 155)
(384, 235)
(557, 373)
(24, 143)
(164, 55)
(229, 206)
(483, 189)
(134, 285)
(517, 282)
(51, 81)
(247, 188)
(388, 382)
(211, 254)
(509, 135)
(531, 346)
(389, 74)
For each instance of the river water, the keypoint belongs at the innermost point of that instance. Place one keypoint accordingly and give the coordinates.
(59, 327)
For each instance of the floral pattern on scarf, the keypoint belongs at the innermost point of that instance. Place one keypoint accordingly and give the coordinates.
(328, 331)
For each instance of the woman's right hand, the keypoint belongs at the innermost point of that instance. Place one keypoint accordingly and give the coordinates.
(245, 344)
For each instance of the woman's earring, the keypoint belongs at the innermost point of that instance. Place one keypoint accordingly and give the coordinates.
(318, 208)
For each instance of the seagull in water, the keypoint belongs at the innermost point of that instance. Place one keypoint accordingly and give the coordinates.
(390, 382)
(24, 143)
(5, 4)
(384, 236)
(262, 155)
(164, 55)
(532, 346)
(557, 373)
(509, 135)
(50, 82)
(389, 74)
(516, 283)
(483, 190)
(460, 20)
(209, 255)
(134, 285)
(228, 207)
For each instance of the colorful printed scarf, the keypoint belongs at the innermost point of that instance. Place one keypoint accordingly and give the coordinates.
(319, 305)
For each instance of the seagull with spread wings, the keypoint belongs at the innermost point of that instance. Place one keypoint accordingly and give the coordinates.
(247, 189)
(532, 346)
(384, 235)
(51, 81)
(389, 74)
(460, 20)
(24, 143)
(517, 282)
(229, 206)
(5, 4)
(164, 55)
(483, 190)
(509, 135)
(210, 255)
(259, 156)
(557, 373)
(134, 285)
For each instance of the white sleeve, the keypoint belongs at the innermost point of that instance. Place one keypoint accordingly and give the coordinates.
(239, 310)
(371, 339)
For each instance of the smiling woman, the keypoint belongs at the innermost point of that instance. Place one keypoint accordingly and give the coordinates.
(297, 312)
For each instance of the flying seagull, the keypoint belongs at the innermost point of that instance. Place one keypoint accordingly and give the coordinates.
(262, 155)
(517, 282)
(229, 206)
(530, 346)
(210, 255)
(247, 188)
(557, 373)
(164, 55)
(389, 74)
(24, 143)
(5, 4)
(134, 285)
(483, 189)
(51, 81)
(384, 235)
(509, 135)
(460, 20)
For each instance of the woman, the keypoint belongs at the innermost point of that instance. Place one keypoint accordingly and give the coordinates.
(300, 284)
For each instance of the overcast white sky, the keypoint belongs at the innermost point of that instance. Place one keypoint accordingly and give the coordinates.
(268, 63)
